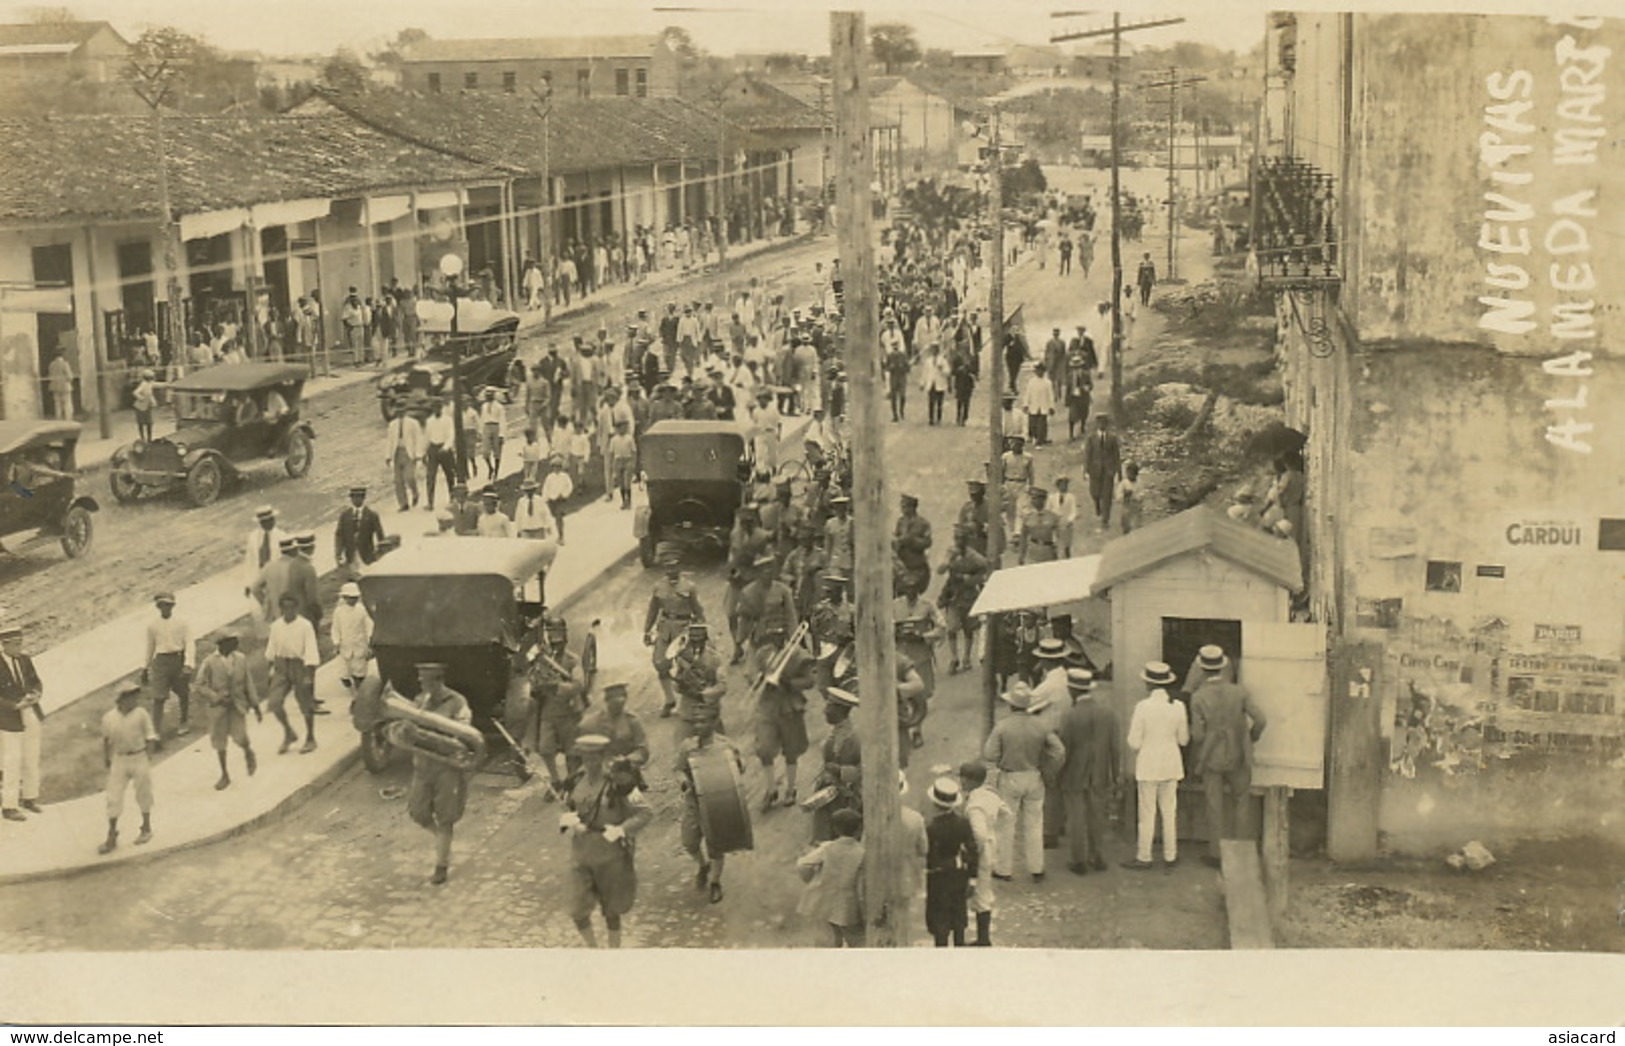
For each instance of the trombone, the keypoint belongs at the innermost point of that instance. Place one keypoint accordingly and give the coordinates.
(773, 673)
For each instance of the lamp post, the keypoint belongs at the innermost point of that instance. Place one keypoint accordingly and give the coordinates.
(451, 267)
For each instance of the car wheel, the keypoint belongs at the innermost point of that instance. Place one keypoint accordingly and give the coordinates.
(125, 489)
(77, 530)
(300, 452)
(204, 481)
(375, 750)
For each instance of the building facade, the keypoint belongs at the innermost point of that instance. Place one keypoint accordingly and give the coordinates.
(1438, 217)
(60, 52)
(573, 67)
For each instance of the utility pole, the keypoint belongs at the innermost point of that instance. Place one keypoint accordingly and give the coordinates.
(545, 226)
(1116, 32)
(1174, 82)
(876, 655)
(155, 82)
(995, 397)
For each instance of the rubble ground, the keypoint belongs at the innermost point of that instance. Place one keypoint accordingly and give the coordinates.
(1564, 895)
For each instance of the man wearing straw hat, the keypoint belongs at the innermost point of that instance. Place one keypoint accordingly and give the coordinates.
(1156, 732)
(1225, 722)
(1089, 775)
(1020, 747)
(951, 864)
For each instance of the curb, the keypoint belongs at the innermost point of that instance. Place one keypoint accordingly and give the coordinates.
(287, 805)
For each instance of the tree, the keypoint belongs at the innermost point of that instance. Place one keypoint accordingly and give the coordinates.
(161, 59)
(395, 51)
(894, 45)
(681, 43)
(344, 72)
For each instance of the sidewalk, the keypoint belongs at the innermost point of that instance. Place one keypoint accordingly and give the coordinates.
(188, 811)
(94, 452)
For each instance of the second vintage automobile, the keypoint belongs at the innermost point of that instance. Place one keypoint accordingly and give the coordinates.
(39, 493)
(695, 473)
(487, 348)
(226, 418)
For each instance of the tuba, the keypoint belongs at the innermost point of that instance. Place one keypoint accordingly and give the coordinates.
(435, 737)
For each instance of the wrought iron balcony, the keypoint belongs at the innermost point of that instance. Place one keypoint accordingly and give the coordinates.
(1295, 224)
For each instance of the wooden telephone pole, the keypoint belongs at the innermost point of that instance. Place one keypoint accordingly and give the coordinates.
(1174, 82)
(1116, 32)
(876, 655)
(995, 399)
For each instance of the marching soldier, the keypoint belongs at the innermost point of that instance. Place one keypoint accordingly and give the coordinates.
(842, 771)
(557, 686)
(438, 793)
(703, 736)
(973, 514)
(832, 622)
(747, 543)
(1040, 531)
(696, 671)
(967, 571)
(918, 626)
(627, 738)
(673, 606)
(804, 567)
(911, 540)
(783, 673)
(838, 537)
(606, 811)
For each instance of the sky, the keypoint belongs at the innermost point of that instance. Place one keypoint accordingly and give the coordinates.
(277, 27)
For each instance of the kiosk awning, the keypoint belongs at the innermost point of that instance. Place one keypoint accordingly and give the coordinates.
(1038, 585)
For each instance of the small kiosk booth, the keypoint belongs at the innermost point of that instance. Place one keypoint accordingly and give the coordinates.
(1198, 578)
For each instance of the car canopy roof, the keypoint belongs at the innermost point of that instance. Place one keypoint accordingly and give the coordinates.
(450, 592)
(515, 559)
(240, 377)
(15, 435)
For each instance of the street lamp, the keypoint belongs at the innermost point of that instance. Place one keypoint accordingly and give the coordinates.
(451, 267)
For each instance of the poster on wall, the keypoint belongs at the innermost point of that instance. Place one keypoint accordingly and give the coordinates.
(1555, 701)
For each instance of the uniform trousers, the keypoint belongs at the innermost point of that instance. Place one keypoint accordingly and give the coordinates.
(19, 761)
(1023, 792)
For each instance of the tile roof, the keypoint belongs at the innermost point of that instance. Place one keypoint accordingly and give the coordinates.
(1193, 530)
(74, 33)
(88, 167)
(521, 49)
(770, 107)
(582, 134)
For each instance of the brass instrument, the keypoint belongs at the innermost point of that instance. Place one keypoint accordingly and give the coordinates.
(774, 672)
(435, 737)
(677, 646)
(539, 653)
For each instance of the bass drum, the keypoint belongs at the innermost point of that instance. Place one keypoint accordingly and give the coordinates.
(724, 810)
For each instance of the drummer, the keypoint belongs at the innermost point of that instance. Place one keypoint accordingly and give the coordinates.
(606, 811)
(703, 738)
(696, 671)
(439, 793)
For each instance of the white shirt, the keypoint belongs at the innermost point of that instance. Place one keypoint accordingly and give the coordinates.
(532, 514)
(440, 430)
(404, 434)
(292, 639)
(251, 552)
(557, 486)
(1038, 397)
(170, 635)
(495, 525)
(1066, 506)
(1156, 731)
(492, 413)
(935, 375)
(351, 630)
(1054, 688)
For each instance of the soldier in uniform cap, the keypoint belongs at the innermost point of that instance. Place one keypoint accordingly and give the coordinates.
(627, 738)
(559, 689)
(747, 542)
(1016, 468)
(439, 792)
(967, 572)
(911, 540)
(606, 812)
(673, 606)
(696, 672)
(973, 514)
(703, 736)
(1040, 531)
(781, 706)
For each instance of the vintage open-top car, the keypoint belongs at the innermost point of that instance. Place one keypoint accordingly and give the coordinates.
(487, 353)
(457, 601)
(39, 492)
(226, 417)
(695, 473)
